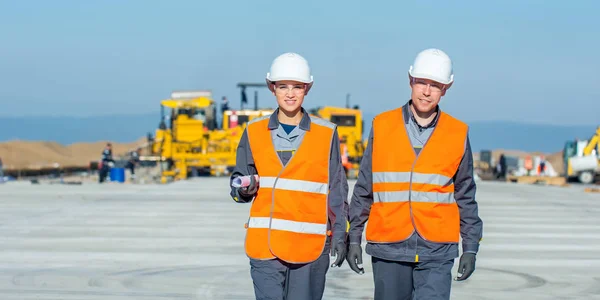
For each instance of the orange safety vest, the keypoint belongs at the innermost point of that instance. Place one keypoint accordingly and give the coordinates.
(288, 217)
(415, 193)
(528, 164)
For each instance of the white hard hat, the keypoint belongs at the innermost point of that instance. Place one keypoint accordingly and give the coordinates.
(290, 66)
(432, 64)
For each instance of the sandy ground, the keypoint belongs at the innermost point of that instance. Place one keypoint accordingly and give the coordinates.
(185, 241)
(37, 154)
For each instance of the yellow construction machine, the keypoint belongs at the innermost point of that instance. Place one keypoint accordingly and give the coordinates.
(234, 118)
(240, 117)
(582, 158)
(188, 139)
(350, 130)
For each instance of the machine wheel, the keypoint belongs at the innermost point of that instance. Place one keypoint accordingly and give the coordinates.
(586, 177)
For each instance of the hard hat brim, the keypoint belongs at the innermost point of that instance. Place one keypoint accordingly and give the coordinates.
(289, 78)
(427, 76)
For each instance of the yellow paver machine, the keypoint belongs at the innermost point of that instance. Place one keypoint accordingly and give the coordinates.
(189, 140)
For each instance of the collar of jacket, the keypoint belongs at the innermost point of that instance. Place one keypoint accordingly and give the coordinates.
(408, 115)
(304, 122)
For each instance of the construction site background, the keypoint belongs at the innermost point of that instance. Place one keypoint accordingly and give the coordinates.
(194, 139)
(40, 154)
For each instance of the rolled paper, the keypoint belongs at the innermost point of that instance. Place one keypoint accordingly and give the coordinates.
(243, 181)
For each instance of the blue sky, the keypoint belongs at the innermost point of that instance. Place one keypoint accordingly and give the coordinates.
(511, 58)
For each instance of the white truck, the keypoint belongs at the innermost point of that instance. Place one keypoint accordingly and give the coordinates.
(582, 159)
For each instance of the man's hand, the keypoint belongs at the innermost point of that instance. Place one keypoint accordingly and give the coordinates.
(251, 189)
(354, 258)
(338, 250)
(466, 266)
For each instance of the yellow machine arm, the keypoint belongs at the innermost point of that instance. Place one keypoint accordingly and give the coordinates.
(593, 142)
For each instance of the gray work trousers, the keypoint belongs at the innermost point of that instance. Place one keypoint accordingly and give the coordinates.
(277, 280)
(396, 280)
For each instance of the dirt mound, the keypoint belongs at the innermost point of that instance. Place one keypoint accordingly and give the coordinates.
(36, 154)
(556, 160)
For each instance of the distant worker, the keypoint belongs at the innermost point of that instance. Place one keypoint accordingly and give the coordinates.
(134, 160)
(502, 167)
(106, 162)
(224, 104)
(344, 155)
(299, 209)
(417, 191)
(528, 165)
(224, 108)
(542, 166)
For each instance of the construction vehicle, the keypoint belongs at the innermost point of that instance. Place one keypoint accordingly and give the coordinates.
(350, 127)
(484, 166)
(488, 168)
(232, 118)
(582, 159)
(188, 140)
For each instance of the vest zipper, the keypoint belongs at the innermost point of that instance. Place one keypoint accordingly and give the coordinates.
(412, 169)
(412, 219)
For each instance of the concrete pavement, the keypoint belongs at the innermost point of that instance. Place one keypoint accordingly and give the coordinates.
(185, 241)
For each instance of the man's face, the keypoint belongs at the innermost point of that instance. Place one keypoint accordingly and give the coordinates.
(426, 94)
(289, 95)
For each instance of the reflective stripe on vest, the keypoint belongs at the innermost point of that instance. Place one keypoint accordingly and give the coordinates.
(403, 179)
(415, 192)
(288, 217)
(287, 225)
(294, 185)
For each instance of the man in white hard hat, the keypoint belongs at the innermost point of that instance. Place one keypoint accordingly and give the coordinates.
(416, 188)
(299, 202)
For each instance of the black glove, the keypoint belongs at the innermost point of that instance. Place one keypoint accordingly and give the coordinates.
(338, 250)
(251, 189)
(466, 266)
(354, 258)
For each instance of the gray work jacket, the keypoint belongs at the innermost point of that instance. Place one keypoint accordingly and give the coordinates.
(285, 145)
(415, 247)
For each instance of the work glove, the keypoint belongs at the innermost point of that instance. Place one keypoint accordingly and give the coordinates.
(338, 250)
(251, 189)
(354, 258)
(466, 266)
